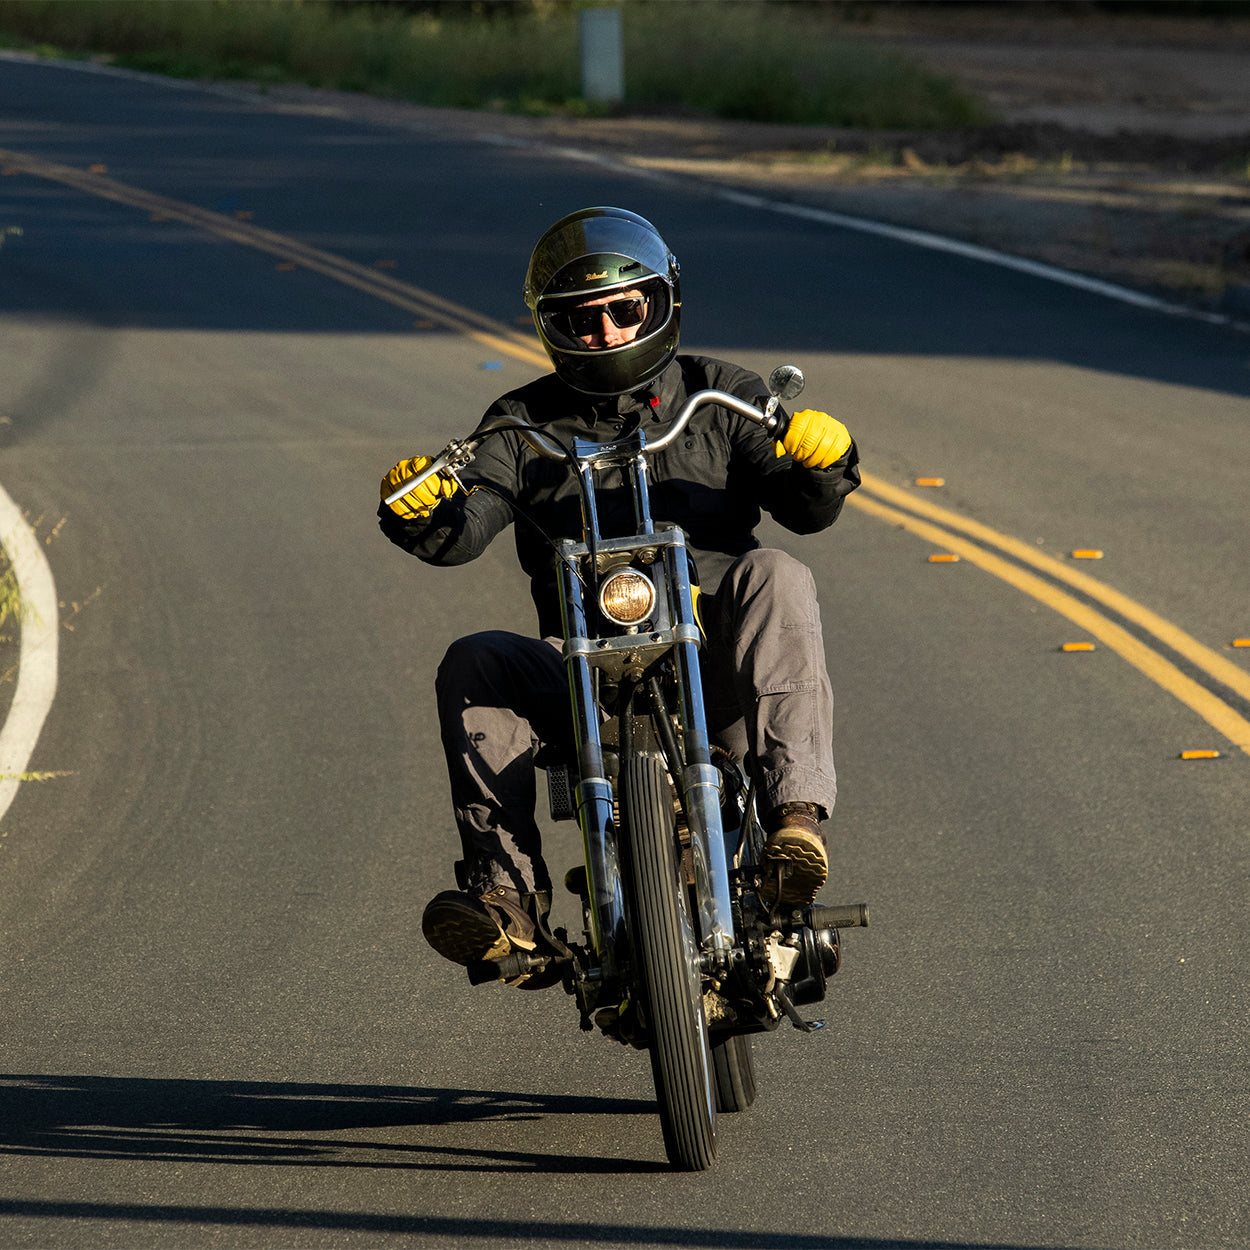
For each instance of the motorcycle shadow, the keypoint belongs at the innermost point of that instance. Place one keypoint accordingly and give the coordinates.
(288, 1124)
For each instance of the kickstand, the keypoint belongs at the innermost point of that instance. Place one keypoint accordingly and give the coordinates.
(803, 1026)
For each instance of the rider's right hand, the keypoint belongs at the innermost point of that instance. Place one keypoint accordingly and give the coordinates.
(420, 501)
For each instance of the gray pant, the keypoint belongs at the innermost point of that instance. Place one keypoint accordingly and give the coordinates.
(502, 697)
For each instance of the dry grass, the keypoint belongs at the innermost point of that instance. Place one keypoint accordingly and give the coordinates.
(772, 62)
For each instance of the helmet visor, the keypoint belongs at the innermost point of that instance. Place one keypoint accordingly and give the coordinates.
(587, 319)
(568, 322)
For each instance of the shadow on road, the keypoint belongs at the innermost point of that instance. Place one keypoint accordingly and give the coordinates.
(490, 1232)
(286, 1123)
(186, 1121)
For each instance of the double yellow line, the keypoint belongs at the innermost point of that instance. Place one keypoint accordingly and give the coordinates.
(935, 524)
(422, 304)
(877, 498)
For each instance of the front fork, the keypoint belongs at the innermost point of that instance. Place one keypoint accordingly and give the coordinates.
(696, 779)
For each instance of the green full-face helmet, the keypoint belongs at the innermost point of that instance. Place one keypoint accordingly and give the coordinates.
(595, 252)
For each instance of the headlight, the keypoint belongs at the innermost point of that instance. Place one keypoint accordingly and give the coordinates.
(627, 597)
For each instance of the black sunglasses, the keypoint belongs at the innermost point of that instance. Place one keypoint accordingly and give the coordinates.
(588, 320)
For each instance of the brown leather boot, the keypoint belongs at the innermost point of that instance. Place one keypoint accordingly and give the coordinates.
(794, 858)
(467, 928)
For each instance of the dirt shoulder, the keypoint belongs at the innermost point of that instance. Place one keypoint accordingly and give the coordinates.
(1121, 149)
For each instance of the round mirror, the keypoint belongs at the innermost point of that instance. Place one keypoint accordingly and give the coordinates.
(786, 381)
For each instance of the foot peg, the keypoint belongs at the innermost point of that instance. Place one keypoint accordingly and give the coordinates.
(521, 970)
(506, 968)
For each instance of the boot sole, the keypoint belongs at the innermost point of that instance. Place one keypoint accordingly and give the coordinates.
(466, 934)
(808, 862)
(463, 934)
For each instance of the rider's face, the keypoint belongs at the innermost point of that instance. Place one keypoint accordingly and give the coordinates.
(606, 333)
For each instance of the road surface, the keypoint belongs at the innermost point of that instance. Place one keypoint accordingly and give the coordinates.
(221, 323)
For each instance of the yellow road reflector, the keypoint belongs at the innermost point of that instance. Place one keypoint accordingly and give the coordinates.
(1200, 755)
(425, 324)
(1086, 553)
(944, 557)
(1077, 646)
(97, 169)
(1241, 642)
(385, 264)
(285, 266)
(930, 481)
(244, 214)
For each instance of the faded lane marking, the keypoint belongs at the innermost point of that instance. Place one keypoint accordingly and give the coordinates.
(411, 299)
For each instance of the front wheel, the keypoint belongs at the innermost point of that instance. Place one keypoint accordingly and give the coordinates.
(733, 1070)
(667, 966)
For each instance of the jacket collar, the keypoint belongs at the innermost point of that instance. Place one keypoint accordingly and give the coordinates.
(647, 406)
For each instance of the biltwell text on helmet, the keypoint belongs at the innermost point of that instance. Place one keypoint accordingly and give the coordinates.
(595, 252)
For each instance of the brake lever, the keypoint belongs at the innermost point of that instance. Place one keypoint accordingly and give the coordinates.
(454, 456)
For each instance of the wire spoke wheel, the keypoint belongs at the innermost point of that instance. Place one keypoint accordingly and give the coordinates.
(667, 966)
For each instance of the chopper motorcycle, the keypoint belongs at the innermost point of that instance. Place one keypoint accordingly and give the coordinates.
(680, 953)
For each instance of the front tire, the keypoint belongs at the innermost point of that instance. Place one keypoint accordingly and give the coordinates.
(666, 966)
(733, 1070)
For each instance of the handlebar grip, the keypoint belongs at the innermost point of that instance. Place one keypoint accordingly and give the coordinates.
(439, 462)
(848, 916)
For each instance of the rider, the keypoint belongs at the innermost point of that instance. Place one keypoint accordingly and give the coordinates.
(604, 293)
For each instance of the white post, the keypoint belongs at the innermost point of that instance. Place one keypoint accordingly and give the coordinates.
(603, 56)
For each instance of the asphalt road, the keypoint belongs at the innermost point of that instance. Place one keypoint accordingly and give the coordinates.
(220, 1026)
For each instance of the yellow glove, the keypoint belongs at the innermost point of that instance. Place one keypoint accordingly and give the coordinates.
(420, 501)
(815, 439)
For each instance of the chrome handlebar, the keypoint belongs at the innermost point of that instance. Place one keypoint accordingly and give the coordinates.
(458, 452)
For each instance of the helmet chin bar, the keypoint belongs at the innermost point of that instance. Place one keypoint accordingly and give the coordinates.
(592, 373)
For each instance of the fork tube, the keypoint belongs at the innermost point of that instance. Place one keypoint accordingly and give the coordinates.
(642, 495)
(700, 779)
(590, 513)
(594, 789)
(594, 816)
(590, 519)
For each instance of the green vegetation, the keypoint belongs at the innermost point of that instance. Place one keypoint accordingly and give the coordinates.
(10, 598)
(10, 611)
(765, 60)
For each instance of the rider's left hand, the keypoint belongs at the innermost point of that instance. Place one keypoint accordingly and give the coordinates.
(815, 439)
(419, 502)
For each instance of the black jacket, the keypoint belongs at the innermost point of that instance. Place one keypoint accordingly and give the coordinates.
(712, 481)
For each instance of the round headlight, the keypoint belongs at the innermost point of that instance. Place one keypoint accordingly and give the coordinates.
(627, 597)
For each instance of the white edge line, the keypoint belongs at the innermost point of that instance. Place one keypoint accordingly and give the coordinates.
(36, 673)
(973, 251)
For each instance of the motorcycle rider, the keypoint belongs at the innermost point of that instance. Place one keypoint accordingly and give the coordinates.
(605, 297)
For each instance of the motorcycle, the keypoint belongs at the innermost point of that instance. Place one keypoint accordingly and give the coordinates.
(680, 953)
